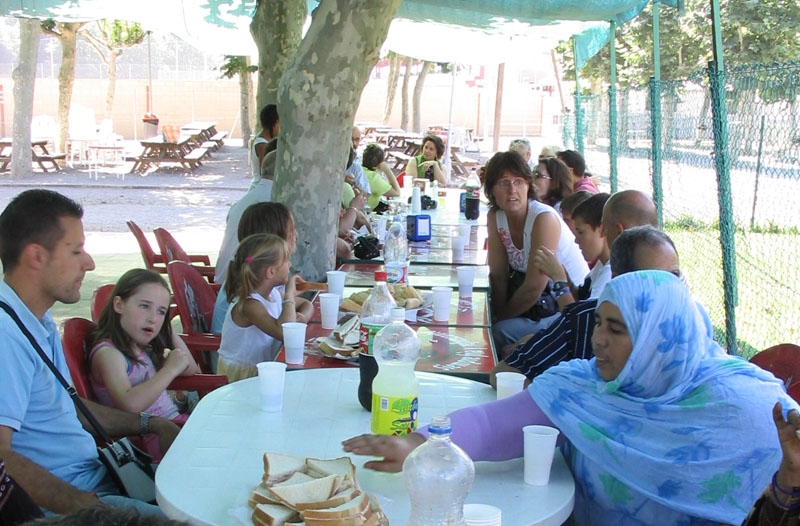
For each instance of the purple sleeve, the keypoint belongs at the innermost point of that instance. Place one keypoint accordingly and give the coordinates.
(493, 431)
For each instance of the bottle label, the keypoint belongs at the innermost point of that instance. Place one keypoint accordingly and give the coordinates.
(366, 335)
(396, 273)
(394, 415)
(475, 192)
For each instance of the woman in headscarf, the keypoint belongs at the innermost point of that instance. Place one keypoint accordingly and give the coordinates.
(662, 426)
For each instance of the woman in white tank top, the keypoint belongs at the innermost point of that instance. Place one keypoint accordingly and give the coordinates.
(517, 225)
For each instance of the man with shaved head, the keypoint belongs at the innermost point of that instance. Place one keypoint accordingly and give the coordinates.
(570, 336)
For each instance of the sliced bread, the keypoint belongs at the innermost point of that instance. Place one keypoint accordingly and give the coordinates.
(272, 515)
(315, 490)
(352, 508)
(279, 467)
(336, 500)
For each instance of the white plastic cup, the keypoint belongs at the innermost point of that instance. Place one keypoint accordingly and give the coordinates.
(441, 303)
(271, 376)
(482, 514)
(329, 309)
(416, 201)
(336, 281)
(509, 383)
(294, 341)
(540, 446)
(464, 232)
(457, 244)
(466, 278)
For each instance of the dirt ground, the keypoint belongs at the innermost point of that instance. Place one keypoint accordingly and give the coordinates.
(191, 205)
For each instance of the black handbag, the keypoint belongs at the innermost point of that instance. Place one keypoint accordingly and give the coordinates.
(366, 247)
(544, 307)
(130, 467)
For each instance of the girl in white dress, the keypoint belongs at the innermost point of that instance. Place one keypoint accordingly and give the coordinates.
(252, 332)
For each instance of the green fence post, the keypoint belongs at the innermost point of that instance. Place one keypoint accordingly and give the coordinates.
(727, 228)
(612, 107)
(656, 153)
(578, 109)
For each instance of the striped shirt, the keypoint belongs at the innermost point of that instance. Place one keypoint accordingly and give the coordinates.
(568, 337)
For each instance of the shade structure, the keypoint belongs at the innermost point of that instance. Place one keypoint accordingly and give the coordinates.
(464, 31)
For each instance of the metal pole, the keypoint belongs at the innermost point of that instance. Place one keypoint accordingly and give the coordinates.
(578, 112)
(758, 173)
(612, 106)
(149, 77)
(727, 228)
(656, 153)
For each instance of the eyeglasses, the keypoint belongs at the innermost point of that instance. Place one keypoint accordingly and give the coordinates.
(516, 182)
(539, 175)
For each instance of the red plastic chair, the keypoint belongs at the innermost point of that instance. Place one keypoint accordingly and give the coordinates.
(195, 299)
(172, 251)
(100, 298)
(400, 178)
(783, 361)
(76, 341)
(152, 261)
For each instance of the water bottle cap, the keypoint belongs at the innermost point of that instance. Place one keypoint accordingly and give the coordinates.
(398, 313)
(380, 275)
(440, 425)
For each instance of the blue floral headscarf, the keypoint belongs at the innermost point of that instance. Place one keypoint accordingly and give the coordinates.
(683, 435)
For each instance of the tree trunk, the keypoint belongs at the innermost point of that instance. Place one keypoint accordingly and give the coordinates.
(24, 76)
(277, 30)
(68, 37)
(245, 90)
(112, 81)
(404, 96)
(391, 90)
(416, 101)
(318, 96)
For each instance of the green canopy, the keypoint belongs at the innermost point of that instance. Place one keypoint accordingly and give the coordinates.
(465, 31)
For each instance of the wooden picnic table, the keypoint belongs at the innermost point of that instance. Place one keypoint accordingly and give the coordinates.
(205, 134)
(39, 154)
(157, 150)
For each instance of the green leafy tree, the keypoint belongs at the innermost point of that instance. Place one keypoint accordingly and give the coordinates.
(752, 32)
(110, 38)
(235, 66)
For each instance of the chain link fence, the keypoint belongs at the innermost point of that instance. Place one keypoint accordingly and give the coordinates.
(764, 154)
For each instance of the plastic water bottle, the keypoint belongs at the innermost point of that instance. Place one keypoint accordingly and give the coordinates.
(376, 313)
(395, 253)
(473, 199)
(395, 390)
(438, 476)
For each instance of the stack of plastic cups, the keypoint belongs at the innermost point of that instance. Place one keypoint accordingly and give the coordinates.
(482, 515)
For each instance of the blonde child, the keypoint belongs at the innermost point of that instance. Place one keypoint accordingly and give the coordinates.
(135, 354)
(252, 332)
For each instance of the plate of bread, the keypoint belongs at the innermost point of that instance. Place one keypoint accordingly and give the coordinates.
(343, 340)
(315, 492)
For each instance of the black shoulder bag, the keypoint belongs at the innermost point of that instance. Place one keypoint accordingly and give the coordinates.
(130, 467)
(544, 307)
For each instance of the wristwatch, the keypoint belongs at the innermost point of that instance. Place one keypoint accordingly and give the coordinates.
(558, 285)
(144, 423)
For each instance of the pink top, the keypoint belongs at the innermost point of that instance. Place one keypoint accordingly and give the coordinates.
(585, 184)
(137, 373)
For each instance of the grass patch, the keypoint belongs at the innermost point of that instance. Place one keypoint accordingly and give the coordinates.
(768, 281)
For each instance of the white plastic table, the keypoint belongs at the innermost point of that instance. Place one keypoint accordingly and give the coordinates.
(216, 461)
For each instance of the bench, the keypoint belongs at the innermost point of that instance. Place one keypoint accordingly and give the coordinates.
(211, 146)
(193, 158)
(400, 159)
(218, 138)
(49, 158)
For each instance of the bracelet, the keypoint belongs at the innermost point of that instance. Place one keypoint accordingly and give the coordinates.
(560, 292)
(795, 492)
(290, 301)
(793, 495)
(144, 423)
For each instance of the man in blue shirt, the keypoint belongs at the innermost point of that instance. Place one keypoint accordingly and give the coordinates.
(570, 336)
(42, 440)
